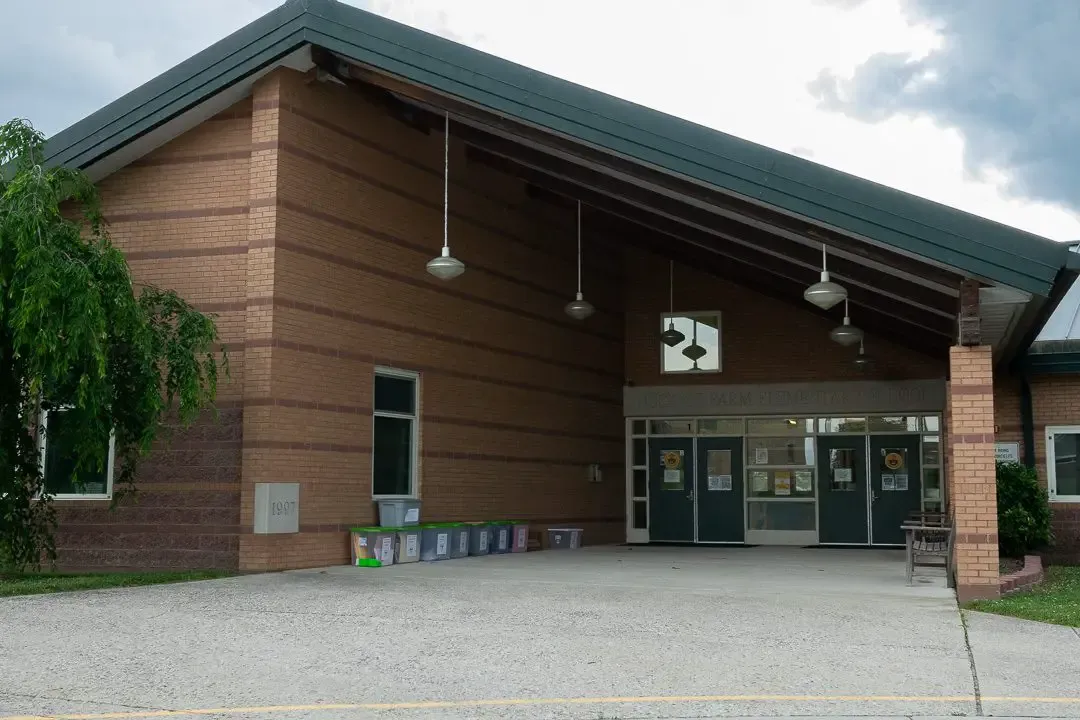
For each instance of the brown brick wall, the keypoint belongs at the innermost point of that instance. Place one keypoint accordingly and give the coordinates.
(516, 398)
(181, 216)
(764, 340)
(1055, 401)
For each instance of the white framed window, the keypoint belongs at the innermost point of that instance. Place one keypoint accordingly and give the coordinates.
(58, 463)
(394, 433)
(1062, 472)
(699, 350)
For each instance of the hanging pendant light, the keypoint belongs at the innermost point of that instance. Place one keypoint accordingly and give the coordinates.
(694, 351)
(445, 266)
(579, 308)
(671, 337)
(846, 334)
(862, 361)
(825, 293)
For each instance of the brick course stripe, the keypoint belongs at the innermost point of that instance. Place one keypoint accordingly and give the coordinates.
(359, 319)
(306, 446)
(368, 358)
(195, 159)
(188, 213)
(434, 419)
(957, 389)
(976, 538)
(194, 252)
(413, 281)
(972, 439)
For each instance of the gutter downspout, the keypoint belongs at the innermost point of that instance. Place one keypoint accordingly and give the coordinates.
(1027, 421)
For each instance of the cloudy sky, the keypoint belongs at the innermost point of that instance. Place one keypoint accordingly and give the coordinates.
(973, 103)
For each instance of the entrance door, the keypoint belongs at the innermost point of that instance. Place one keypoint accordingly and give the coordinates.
(671, 489)
(842, 514)
(720, 490)
(895, 485)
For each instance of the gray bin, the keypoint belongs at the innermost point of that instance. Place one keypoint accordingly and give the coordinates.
(399, 513)
(459, 541)
(479, 539)
(564, 538)
(435, 543)
(501, 538)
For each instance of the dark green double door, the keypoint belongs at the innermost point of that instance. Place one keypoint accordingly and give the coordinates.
(696, 490)
(852, 511)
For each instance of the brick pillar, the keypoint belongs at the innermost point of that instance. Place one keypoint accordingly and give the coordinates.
(971, 471)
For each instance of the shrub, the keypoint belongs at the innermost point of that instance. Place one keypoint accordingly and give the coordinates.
(1023, 511)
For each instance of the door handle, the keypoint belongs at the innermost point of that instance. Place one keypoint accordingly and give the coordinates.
(690, 496)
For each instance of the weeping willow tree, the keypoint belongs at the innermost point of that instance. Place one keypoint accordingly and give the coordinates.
(78, 337)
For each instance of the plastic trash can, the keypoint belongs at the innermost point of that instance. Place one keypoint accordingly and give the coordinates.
(399, 513)
(408, 545)
(479, 538)
(565, 538)
(519, 534)
(459, 540)
(500, 537)
(372, 547)
(434, 542)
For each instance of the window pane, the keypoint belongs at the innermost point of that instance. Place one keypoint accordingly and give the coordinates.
(392, 456)
(60, 462)
(640, 483)
(395, 394)
(641, 515)
(782, 516)
(700, 332)
(781, 483)
(1065, 471)
(720, 426)
(638, 427)
(841, 425)
(931, 450)
(932, 484)
(780, 451)
(843, 474)
(932, 423)
(895, 424)
(672, 427)
(639, 451)
(780, 426)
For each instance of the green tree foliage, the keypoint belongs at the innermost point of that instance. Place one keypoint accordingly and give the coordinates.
(76, 332)
(1023, 511)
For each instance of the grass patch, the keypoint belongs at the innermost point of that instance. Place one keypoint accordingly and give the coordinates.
(38, 583)
(1056, 600)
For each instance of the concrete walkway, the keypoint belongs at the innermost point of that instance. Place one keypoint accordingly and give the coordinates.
(601, 632)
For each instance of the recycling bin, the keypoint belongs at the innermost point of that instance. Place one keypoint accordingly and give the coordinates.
(565, 538)
(408, 545)
(519, 536)
(459, 540)
(434, 542)
(372, 547)
(479, 538)
(500, 537)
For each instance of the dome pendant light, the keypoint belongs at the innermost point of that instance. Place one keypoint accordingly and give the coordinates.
(694, 351)
(846, 334)
(671, 337)
(862, 361)
(445, 266)
(825, 294)
(579, 308)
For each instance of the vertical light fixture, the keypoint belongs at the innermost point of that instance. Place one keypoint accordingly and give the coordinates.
(446, 266)
(846, 334)
(862, 361)
(671, 337)
(694, 351)
(579, 308)
(825, 293)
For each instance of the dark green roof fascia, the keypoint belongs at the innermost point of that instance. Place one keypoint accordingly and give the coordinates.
(971, 244)
(974, 245)
(1067, 363)
(190, 83)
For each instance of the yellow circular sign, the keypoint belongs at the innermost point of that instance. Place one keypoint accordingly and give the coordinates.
(671, 460)
(894, 461)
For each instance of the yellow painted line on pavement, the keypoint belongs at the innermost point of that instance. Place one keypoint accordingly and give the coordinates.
(512, 702)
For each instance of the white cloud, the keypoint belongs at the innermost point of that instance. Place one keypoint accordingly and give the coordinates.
(743, 67)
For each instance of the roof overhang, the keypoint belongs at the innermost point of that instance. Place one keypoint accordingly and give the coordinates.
(700, 196)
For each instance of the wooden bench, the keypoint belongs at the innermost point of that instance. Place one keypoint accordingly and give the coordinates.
(929, 535)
